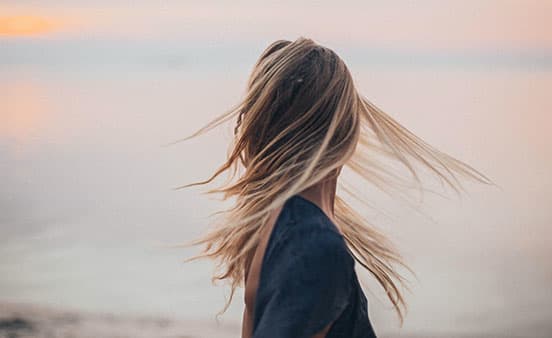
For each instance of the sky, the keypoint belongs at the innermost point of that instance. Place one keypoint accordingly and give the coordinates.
(489, 34)
(406, 24)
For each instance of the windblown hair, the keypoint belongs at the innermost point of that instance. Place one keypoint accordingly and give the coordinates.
(300, 120)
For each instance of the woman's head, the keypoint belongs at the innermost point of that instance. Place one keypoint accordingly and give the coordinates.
(301, 120)
(300, 96)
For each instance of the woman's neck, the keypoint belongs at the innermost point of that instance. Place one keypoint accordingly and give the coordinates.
(323, 195)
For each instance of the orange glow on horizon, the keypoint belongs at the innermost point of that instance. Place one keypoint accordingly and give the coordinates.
(22, 25)
(24, 107)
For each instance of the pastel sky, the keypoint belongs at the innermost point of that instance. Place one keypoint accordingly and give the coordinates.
(417, 24)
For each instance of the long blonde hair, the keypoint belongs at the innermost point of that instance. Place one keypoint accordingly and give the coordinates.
(301, 119)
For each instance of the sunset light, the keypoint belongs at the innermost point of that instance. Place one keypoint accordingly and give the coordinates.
(21, 25)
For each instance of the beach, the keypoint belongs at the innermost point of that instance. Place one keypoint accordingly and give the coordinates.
(25, 320)
(18, 320)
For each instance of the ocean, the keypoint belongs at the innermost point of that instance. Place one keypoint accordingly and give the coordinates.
(88, 208)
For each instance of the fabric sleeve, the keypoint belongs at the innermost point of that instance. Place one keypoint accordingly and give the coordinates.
(309, 284)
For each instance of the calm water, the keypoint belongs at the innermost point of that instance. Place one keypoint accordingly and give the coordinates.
(87, 201)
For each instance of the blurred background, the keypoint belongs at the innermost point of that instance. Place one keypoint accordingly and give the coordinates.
(91, 90)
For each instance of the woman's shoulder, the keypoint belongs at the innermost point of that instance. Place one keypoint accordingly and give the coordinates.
(308, 233)
(307, 217)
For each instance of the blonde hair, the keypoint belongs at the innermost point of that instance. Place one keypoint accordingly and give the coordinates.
(300, 120)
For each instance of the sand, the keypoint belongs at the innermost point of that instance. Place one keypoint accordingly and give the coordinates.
(19, 320)
(25, 320)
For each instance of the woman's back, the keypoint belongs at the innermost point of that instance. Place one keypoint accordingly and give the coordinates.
(306, 279)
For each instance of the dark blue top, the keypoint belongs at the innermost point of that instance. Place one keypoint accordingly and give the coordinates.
(308, 280)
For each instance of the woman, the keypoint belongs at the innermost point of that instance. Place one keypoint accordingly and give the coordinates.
(289, 239)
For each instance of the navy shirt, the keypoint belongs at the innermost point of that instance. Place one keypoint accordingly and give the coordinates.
(308, 280)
